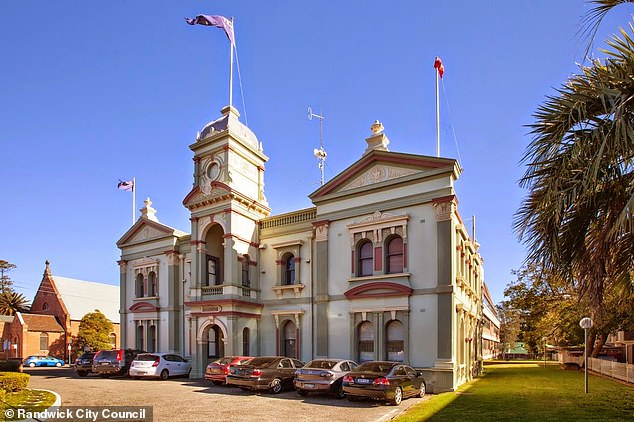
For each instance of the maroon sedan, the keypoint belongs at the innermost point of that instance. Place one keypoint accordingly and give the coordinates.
(218, 370)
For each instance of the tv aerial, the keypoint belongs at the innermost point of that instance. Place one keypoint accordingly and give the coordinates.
(320, 154)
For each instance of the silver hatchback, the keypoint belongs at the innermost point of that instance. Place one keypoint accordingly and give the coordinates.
(323, 376)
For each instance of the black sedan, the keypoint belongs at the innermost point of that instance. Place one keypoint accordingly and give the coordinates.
(272, 373)
(389, 381)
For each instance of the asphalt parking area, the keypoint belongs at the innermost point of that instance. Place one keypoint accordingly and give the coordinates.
(197, 400)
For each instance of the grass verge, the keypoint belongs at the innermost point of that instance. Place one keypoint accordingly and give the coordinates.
(30, 400)
(529, 392)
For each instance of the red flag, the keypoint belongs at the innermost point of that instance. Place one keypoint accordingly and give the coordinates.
(438, 65)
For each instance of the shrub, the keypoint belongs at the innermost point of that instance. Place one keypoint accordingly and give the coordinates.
(13, 381)
(13, 365)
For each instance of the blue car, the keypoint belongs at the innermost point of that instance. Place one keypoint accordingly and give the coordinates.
(33, 361)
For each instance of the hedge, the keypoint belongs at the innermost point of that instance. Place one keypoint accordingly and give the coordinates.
(13, 381)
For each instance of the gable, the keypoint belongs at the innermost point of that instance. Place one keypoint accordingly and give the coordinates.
(380, 168)
(207, 194)
(145, 230)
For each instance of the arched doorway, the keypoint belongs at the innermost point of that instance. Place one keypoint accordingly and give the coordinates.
(289, 340)
(214, 345)
(365, 337)
(395, 341)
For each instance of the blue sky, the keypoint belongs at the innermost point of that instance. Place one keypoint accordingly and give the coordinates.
(96, 91)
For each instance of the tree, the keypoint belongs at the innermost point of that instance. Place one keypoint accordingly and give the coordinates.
(12, 302)
(510, 321)
(94, 331)
(5, 281)
(577, 219)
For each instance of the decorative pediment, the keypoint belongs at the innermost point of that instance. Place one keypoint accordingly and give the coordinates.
(208, 192)
(379, 167)
(143, 307)
(378, 289)
(147, 230)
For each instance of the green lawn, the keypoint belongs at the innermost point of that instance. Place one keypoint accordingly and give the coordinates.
(529, 392)
(31, 400)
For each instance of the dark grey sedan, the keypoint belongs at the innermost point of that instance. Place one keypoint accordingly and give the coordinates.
(272, 373)
(381, 380)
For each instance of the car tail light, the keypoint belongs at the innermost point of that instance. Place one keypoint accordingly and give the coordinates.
(348, 379)
(119, 355)
(227, 370)
(381, 381)
(256, 373)
(326, 374)
(156, 362)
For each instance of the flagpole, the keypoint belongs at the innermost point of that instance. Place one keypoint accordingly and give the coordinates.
(231, 68)
(133, 198)
(437, 116)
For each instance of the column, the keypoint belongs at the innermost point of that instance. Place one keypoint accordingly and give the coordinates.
(321, 288)
(123, 311)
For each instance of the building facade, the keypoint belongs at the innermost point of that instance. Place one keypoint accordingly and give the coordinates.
(381, 267)
(491, 346)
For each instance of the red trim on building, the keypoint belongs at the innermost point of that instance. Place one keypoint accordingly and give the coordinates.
(378, 258)
(225, 302)
(227, 313)
(382, 289)
(352, 271)
(445, 199)
(143, 307)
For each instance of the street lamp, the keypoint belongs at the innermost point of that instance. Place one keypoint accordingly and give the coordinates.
(586, 324)
(544, 340)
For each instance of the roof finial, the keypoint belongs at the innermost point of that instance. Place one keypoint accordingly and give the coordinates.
(47, 271)
(377, 127)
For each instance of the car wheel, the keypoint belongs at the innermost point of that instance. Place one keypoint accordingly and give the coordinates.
(82, 373)
(58, 364)
(302, 393)
(339, 394)
(421, 391)
(32, 365)
(398, 397)
(276, 386)
(164, 374)
(217, 382)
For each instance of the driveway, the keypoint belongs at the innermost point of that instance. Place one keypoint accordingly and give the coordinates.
(196, 400)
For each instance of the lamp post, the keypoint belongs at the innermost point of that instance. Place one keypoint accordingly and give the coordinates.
(586, 324)
(544, 339)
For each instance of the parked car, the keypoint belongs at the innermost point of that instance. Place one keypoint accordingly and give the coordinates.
(272, 373)
(83, 364)
(323, 376)
(218, 370)
(161, 365)
(389, 381)
(113, 362)
(33, 361)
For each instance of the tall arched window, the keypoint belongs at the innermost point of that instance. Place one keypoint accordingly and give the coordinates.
(139, 285)
(113, 340)
(151, 284)
(151, 339)
(289, 339)
(394, 255)
(365, 334)
(289, 269)
(246, 279)
(395, 341)
(139, 337)
(365, 261)
(246, 333)
(43, 341)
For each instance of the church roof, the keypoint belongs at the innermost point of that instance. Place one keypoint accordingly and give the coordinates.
(82, 297)
(42, 323)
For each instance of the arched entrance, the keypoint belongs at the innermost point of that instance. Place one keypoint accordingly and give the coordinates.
(289, 340)
(213, 343)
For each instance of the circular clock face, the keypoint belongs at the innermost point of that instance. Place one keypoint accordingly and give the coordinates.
(213, 170)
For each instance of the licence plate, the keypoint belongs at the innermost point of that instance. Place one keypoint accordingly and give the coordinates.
(309, 385)
(363, 381)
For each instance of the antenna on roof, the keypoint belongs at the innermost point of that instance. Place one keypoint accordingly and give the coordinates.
(320, 154)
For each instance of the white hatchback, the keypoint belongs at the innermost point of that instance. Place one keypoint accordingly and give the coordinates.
(161, 365)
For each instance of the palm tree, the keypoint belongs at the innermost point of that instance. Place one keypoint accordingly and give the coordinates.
(577, 218)
(12, 302)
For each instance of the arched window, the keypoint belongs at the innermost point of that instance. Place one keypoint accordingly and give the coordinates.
(213, 271)
(139, 285)
(43, 341)
(45, 306)
(394, 255)
(365, 261)
(139, 337)
(395, 341)
(289, 269)
(113, 340)
(245, 341)
(151, 284)
(151, 339)
(215, 342)
(289, 339)
(246, 279)
(365, 334)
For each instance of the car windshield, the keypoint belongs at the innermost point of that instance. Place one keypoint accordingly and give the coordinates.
(223, 361)
(383, 367)
(321, 364)
(146, 357)
(87, 355)
(262, 361)
(108, 354)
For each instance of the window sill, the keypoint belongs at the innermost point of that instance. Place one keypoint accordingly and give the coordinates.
(295, 288)
(144, 298)
(379, 277)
